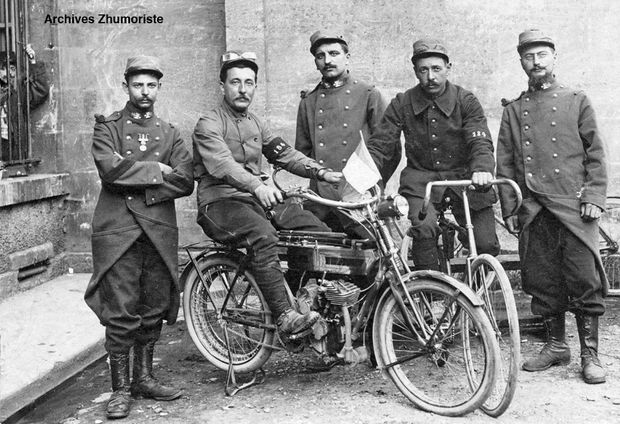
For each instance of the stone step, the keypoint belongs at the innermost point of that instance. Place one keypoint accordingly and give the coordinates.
(47, 335)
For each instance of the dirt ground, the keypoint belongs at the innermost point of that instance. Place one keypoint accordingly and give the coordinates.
(347, 394)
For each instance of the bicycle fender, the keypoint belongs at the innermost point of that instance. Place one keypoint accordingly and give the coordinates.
(439, 276)
(458, 285)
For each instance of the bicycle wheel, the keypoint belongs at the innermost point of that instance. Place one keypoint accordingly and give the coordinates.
(491, 284)
(246, 316)
(429, 363)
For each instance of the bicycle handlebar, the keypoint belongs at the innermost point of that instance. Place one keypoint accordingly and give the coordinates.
(466, 183)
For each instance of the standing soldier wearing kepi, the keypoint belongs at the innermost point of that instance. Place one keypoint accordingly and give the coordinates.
(143, 165)
(550, 145)
(446, 138)
(331, 116)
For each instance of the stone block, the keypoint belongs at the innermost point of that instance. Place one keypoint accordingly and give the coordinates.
(33, 187)
(31, 256)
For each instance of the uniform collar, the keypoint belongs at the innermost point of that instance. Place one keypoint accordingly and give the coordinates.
(344, 79)
(139, 114)
(233, 112)
(546, 87)
(446, 102)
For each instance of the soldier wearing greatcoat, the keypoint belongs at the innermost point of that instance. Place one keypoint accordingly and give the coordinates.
(330, 118)
(550, 145)
(143, 165)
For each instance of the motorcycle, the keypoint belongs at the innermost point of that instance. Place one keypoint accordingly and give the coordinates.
(425, 330)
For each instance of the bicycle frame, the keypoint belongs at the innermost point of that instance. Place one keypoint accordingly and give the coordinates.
(465, 186)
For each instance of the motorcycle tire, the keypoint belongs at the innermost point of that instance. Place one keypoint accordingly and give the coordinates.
(245, 317)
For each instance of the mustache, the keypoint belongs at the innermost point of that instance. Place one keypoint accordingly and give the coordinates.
(242, 98)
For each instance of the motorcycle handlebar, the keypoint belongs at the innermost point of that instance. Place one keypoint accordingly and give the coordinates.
(303, 193)
(465, 183)
(313, 197)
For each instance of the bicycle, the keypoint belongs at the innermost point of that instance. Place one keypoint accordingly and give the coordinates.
(608, 246)
(487, 277)
(428, 332)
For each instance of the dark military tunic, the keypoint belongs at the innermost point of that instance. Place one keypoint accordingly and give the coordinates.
(136, 198)
(550, 145)
(329, 121)
(446, 138)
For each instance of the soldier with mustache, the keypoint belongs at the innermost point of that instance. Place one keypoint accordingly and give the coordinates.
(229, 143)
(446, 138)
(330, 118)
(550, 145)
(144, 166)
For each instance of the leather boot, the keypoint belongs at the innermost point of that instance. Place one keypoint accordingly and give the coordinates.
(120, 401)
(555, 351)
(144, 384)
(292, 322)
(591, 368)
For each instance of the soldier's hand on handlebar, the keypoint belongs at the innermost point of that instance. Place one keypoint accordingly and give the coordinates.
(512, 224)
(268, 196)
(590, 212)
(481, 180)
(332, 176)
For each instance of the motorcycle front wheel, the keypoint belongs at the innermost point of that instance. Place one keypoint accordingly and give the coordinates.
(432, 363)
(245, 317)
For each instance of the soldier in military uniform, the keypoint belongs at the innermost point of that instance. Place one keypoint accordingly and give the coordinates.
(446, 138)
(143, 165)
(229, 142)
(550, 145)
(330, 118)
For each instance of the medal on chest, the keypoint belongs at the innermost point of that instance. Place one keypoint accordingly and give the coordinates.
(143, 139)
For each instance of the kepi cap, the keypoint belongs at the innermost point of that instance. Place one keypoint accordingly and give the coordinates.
(232, 57)
(429, 47)
(321, 37)
(534, 36)
(142, 63)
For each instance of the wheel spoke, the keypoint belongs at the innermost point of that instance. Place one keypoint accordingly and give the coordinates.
(245, 315)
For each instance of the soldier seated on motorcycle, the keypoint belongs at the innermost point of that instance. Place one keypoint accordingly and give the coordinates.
(228, 143)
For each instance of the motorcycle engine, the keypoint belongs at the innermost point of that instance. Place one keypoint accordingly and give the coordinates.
(340, 292)
(328, 297)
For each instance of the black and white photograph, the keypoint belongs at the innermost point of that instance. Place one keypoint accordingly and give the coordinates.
(309, 212)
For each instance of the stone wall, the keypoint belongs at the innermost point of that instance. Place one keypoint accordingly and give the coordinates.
(481, 37)
(86, 62)
(91, 61)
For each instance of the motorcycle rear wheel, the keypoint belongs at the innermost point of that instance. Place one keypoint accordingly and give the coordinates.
(432, 370)
(246, 316)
